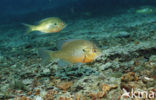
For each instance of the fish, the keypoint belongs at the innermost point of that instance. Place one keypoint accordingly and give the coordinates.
(146, 10)
(73, 51)
(47, 25)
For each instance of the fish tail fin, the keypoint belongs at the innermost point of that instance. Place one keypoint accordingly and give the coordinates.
(30, 27)
(46, 55)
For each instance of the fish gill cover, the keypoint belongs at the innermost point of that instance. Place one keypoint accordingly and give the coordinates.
(94, 49)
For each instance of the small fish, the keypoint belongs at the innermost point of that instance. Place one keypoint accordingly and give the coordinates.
(73, 51)
(48, 25)
(146, 10)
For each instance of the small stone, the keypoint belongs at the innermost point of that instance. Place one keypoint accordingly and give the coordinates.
(153, 58)
(37, 92)
(38, 98)
(65, 85)
(29, 93)
(122, 34)
(46, 71)
(106, 88)
(129, 77)
(104, 66)
(28, 81)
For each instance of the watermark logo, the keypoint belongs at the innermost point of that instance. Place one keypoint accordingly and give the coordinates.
(138, 94)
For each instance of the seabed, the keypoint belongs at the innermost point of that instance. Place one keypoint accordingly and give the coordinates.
(128, 61)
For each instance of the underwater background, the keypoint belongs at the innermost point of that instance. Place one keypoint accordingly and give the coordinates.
(124, 31)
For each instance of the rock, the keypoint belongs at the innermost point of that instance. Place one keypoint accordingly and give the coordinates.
(129, 77)
(38, 98)
(122, 34)
(105, 66)
(64, 85)
(153, 58)
(46, 71)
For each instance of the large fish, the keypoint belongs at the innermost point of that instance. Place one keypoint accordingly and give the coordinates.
(73, 51)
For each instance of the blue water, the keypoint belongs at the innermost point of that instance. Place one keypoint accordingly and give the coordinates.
(19, 10)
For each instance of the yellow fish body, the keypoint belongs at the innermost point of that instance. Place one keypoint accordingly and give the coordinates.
(76, 51)
(48, 25)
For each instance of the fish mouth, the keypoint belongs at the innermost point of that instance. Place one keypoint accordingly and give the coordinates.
(86, 59)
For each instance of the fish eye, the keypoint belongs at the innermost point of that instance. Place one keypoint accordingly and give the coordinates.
(83, 50)
(94, 50)
(55, 23)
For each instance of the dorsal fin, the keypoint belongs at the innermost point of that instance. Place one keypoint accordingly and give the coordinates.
(46, 19)
(61, 43)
